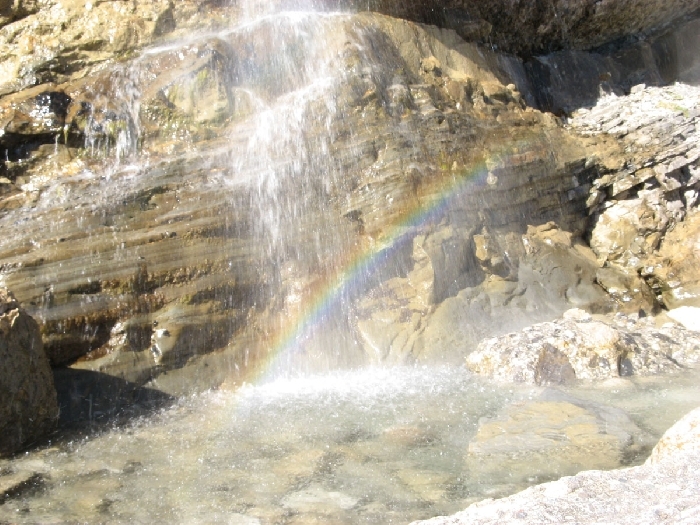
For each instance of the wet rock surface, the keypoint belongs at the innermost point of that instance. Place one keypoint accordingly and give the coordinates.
(28, 410)
(663, 489)
(420, 156)
(559, 433)
(103, 279)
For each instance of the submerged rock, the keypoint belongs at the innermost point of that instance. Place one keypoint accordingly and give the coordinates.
(581, 347)
(29, 409)
(664, 489)
(553, 436)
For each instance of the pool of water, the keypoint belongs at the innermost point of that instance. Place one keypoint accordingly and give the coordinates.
(371, 446)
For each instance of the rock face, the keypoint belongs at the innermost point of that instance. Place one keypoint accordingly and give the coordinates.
(166, 280)
(567, 80)
(663, 489)
(649, 190)
(211, 200)
(526, 28)
(580, 347)
(28, 409)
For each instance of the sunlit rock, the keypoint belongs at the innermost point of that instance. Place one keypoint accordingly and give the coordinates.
(648, 199)
(75, 39)
(681, 438)
(580, 347)
(688, 316)
(674, 271)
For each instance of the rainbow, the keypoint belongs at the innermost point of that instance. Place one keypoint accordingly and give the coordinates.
(351, 272)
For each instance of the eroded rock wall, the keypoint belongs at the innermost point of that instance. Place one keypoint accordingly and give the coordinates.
(195, 198)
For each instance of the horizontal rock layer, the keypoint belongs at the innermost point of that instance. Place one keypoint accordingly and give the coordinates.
(205, 196)
(251, 194)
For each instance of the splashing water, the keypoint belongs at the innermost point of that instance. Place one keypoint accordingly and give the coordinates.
(377, 446)
(374, 445)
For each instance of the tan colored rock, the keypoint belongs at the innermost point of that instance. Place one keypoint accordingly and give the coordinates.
(36, 49)
(646, 226)
(550, 438)
(676, 270)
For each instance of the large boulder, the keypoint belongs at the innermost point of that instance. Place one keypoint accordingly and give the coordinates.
(581, 347)
(28, 407)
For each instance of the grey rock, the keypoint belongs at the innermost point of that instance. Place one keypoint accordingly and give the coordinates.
(581, 347)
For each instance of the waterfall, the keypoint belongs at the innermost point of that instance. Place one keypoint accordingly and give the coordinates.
(271, 256)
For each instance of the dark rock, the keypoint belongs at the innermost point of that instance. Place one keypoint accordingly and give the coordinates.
(567, 80)
(28, 410)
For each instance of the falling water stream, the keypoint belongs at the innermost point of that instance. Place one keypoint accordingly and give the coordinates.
(349, 444)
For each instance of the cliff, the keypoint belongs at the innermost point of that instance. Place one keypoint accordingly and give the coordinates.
(199, 202)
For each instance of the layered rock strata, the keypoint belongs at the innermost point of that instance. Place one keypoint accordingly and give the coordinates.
(201, 196)
(120, 260)
(647, 190)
